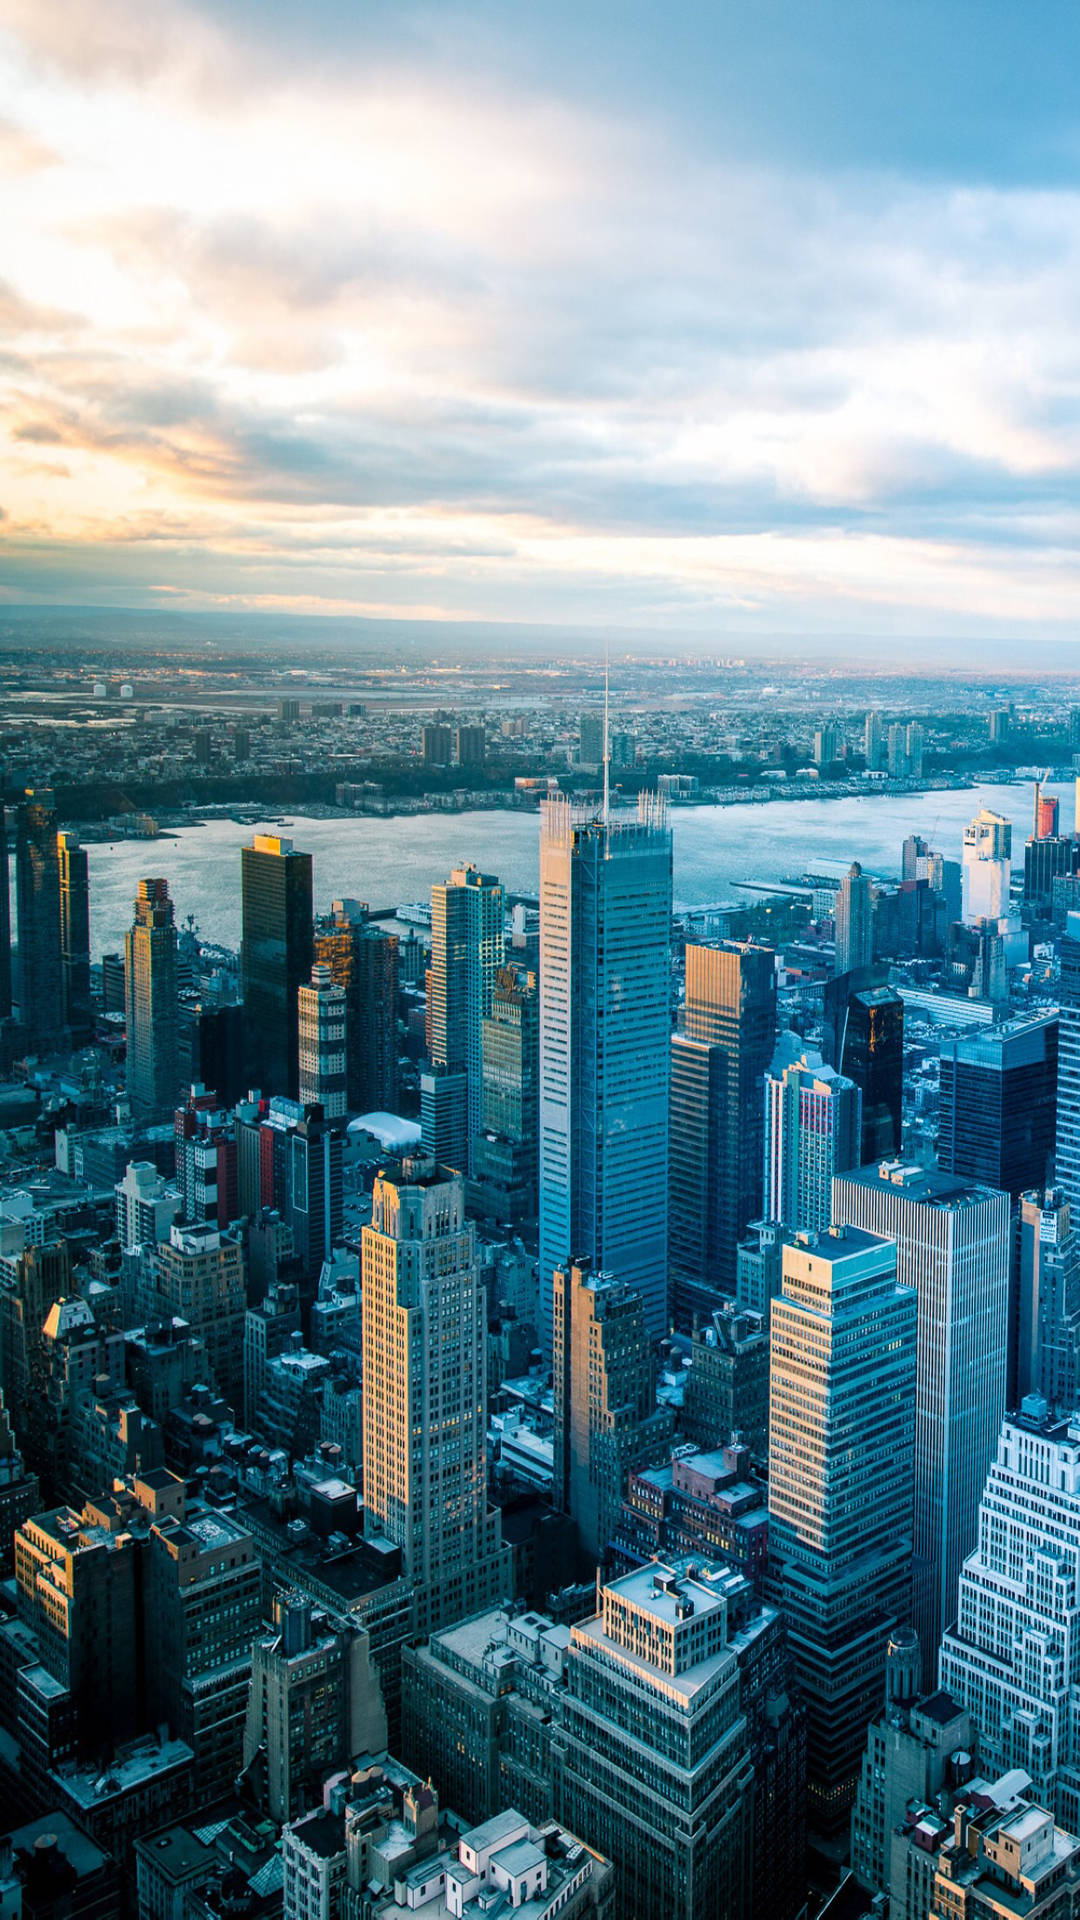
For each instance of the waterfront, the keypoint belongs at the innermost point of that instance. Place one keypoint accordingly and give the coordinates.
(388, 862)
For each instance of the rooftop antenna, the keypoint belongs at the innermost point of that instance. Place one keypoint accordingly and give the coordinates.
(607, 650)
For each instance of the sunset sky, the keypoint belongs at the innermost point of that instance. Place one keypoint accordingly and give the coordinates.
(725, 318)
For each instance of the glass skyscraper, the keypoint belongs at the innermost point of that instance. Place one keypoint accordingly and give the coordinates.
(605, 1028)
(275, 959)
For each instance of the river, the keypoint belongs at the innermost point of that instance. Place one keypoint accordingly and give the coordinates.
(387, 862)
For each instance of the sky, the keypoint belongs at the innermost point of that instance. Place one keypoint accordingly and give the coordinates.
(706, 319)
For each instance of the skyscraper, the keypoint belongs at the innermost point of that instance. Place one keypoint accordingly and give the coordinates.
(843, 1334)
(953, 1248)
(505, 1157)
(75, 936)
(314, 1704)
(998, 1104)
(872, 741)
(467, 951)
(321, 1013)
(987, 866)
(605, 1029)
(607, 1422)
(652, 1749)
(854, 921)
(275, 959)
(150, 974)
(1048, 1301)
(917, 1745)
(5, 908)
(1013, 1657)
(363, 959)
(313, 1189)
(40, 980)
(718, 1062)
(1067, 1140)
(425, 1399)
(863, 1037)
(813, 1130)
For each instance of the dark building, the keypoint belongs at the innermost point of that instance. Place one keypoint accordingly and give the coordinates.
(438, 744)
(470, 746)
(998, 1104)
(210, 1049)
(275, 959)
(505, 1157)
(314, 1206)
(863, 1037)
(5, 913)
(727, 1384)
(75, 936)
(718, 1064)
(1045, 860)
(150, 977)
(364, 960)
(37, 899)
(113, 990)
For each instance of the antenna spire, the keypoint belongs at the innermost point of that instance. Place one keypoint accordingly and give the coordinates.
(607, 650)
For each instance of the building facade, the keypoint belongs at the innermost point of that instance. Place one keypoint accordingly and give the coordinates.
(275, 959)
(150, 977)
(322, 1041)
(813, 1130)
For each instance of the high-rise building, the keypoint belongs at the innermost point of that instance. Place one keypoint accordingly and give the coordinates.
(150, 975)
(826, 745)
(207, 1172)
(652, 1753)
(998, 1103)
(914, 742)
(425, 1368)
(322, 1041)
(146, 1206)
(210, 1048)
(987, 867)
(719, 1059)
(438, 744)
(315, 1704)
(314, 1197)
(505, 1157)
(1067, 1142)
(813, 1130)
(40, 976)
(199, 1274)
(863, 1038)
(76, 1590)
(275, 959)
(841, 1442)
(1048, 1307)
(953, 1247)
(591, 738)
(470, 746)
(918, 1744)
(5, 909)
(1047, 858)
(727, 1382)
(873, 741)
(18, 1492)
(605, 1032)
(854, 921)
(1013, 1656)
(364, 960)
(467, 952)
(607, 1422)
(75, 935)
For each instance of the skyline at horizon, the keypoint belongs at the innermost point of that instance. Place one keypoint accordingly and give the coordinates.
(719, 327)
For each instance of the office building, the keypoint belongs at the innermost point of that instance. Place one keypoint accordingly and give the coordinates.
(146, 1206)
(275, 959)
(998, 1103)
(1046, 858)
(841, 1442)
(605, 1035)
(919, 1745)
(726, 1393)
(76, 1590)
(1013, 1656)
(952, 1241)
(5, 910)
(986, 868)
(606, 1418)
(314, 1705)
(863, 1038)
(719, 1059)
(199, 1274)
(322, 1042)
(1005, 1859)
(207, 1161)
(425, 1368)
(210, 1048)
(505, 1155)
(1047, 808)
(813, 1130)
(1067, 1143)
(364, 961)
(470, 746)
(826, 745)
(150, 976)
(467, 952)
(75, 936)
(40, 975)
(1048, 1316)
(314, 1197)
(18, 1492)
(202, 1588)
(758, 1267)
(854, 919)
(652, 1751)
